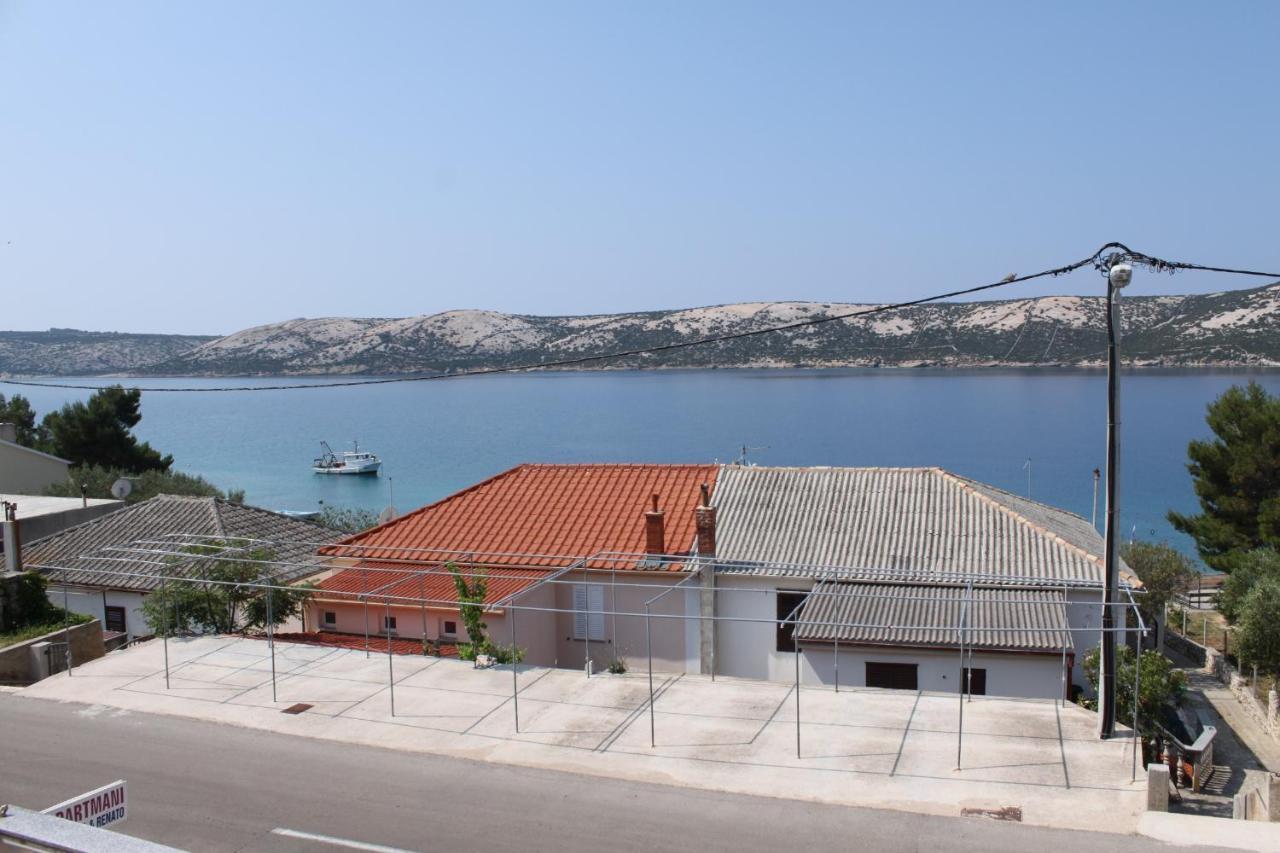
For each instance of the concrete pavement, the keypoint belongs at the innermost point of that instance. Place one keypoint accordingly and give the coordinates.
(204, 786)
(874, 748)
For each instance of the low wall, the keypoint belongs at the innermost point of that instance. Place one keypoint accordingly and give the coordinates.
(1187, 648)
(17, 662)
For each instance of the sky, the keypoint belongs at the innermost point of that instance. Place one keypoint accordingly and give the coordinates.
(204, 167)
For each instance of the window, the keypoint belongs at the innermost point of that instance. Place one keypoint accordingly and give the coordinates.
(975, 681)
(896, 676)
(330, 618)
(448, 628)
(588, 611)
(115, 620)
(788, 601)
(389, 623)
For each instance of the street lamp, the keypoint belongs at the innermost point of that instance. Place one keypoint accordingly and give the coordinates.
(1118, 276)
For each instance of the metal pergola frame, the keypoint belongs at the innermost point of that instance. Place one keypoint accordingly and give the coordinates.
(167, 553)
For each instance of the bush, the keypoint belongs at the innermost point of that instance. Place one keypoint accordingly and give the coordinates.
(98, 480)
(618, 666)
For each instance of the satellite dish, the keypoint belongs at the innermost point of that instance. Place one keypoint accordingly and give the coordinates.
(388, 514)
(121, 488)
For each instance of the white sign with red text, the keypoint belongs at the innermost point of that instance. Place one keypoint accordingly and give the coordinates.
(100, 807)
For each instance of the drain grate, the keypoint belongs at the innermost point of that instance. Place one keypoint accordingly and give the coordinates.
(1011, 813)
(296, 709)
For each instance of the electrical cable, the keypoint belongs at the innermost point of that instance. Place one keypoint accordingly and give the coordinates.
(1097, 259)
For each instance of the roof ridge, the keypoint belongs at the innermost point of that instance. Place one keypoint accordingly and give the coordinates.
(6, 443)
(965, 485)
(218, 523)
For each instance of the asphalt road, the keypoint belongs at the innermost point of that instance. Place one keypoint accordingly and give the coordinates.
(204, 786)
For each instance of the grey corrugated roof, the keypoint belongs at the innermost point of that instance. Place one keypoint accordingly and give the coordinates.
(889, 614)
(921, 522)
(77, 554)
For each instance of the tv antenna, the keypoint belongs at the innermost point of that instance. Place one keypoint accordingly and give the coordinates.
(744, 455)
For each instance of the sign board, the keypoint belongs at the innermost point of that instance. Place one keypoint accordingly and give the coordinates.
(99, 807)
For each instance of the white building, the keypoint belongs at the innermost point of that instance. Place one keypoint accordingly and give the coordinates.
(870, 571)
(24, 471)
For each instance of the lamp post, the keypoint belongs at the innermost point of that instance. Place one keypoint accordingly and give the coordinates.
(1118, 276)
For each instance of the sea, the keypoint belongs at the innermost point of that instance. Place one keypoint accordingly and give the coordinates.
(1033, 432)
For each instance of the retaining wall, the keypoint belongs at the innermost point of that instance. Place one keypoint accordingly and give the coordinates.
(19, 664)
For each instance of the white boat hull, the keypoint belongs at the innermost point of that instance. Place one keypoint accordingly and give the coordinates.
(368, 468)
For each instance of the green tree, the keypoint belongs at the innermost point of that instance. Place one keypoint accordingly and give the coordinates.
(1252, 568)
(1258, 626)
(100, 432)
(1164, 572)
(1162, 685)
(1237, 478)
(97, 482)
(17, 411)
(471, 595)
(219, 598)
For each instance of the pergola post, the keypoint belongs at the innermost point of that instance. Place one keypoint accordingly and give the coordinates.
(66, 629)
(648, 644)
(391, 667)
(796, 643)
(515, 667)
(964, 613)
(364, 594)
(271, 642)
(1137, 684)
(166, 649)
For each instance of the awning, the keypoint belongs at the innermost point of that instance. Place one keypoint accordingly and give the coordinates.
(935, 617)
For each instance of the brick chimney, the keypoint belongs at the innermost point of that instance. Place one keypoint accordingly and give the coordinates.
(655, 531)
(704, 517)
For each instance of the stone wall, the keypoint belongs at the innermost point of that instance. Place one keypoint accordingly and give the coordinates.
(18, 662)
(1213, 662)
(1189, 649)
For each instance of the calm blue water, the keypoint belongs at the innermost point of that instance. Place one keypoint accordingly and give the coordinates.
(437, 437)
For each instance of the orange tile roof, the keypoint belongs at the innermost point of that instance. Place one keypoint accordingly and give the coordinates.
(549, 514)
(436, 589)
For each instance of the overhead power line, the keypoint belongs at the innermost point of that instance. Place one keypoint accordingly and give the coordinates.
(1102, 259)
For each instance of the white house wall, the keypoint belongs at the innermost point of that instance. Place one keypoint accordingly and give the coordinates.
(624, 636)
(749, 649)
(24, 472)
(93, 602)
(1017, 675)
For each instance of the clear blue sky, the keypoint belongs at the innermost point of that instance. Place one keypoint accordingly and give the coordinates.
(205, 167)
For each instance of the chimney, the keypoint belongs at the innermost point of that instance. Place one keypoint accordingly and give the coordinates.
(9, 432)
(12, 538)
(655, 530)
(704, 517)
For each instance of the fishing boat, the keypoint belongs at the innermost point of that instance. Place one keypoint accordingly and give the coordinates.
(354, 461)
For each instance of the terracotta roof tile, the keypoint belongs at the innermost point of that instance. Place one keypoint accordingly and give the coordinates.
(550, 514)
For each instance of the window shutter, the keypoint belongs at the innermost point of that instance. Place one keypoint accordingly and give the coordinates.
(579, 611)
(595, 620)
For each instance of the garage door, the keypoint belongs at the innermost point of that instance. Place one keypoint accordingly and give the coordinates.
(898, 676)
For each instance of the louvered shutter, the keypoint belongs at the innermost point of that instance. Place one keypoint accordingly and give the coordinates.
(579, 611)
(595, 618)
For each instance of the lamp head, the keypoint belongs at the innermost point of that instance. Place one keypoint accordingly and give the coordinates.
(1120, 275)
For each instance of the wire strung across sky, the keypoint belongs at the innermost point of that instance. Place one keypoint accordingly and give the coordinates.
(1119, 253)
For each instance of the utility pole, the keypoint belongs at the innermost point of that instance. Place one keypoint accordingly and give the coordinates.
(1118, 276)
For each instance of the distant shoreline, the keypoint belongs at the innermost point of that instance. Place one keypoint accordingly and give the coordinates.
(969, 369)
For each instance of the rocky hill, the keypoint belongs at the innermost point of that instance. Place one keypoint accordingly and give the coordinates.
(1235, 328)
(71, 352)
(1232, 328)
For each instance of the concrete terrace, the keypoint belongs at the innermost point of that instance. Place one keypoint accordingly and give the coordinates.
(865, 747)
